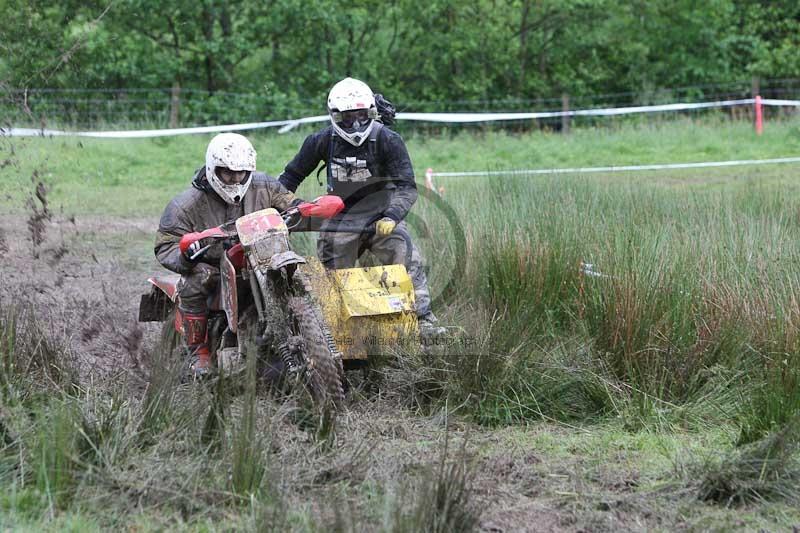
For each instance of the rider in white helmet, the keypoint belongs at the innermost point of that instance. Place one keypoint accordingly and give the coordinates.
(225, 188)
(367, 164)
(230, 159)
(351, 106)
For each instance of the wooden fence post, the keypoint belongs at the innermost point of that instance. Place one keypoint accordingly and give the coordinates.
(755, 92)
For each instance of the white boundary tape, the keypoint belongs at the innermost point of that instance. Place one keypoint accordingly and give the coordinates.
(579, 170)
(485, 117)
(453, 118)
(30, 132)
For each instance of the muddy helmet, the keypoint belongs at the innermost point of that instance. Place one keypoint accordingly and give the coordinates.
(351, 106)
(232, 151)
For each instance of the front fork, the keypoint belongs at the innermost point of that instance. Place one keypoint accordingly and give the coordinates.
(271, 289)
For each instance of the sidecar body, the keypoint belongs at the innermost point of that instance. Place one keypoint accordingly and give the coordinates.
(369, 310)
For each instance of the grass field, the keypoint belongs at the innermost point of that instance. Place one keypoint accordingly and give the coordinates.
(138, 177)
(656, 389)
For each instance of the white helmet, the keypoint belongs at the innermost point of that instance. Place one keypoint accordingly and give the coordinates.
(232, 151)
(351, 105)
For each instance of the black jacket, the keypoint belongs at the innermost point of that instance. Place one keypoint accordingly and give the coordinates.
(387, 190)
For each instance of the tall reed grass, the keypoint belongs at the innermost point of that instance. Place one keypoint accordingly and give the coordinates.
(692, 287)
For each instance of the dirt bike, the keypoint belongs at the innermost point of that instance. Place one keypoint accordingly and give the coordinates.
(277, 319)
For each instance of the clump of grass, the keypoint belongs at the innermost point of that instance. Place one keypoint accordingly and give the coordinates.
(561, 384)
(31, 360)
(213, 433)
(754, 327)
(160, 406)
(773, 402)
(455, 368)
(107, 427)
(37, 421)
(523, 383)
(268, 515)
(768, 469)
(534, 281)
(418, 381)
(59, 431)
(642, 321)
(8, 353)
(442, 500)
(247, 451)
(54, 453)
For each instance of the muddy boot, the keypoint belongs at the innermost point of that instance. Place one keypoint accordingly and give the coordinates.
(429, 326)
(194, 329)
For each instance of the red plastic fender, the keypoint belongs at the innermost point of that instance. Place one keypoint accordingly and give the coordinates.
(230, 301)
(236, 255)
(168, 283)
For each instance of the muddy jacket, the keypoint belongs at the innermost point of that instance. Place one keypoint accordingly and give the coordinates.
(375, 179)
(199, 208)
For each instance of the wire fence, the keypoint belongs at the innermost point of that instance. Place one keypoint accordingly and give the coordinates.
(157, 107)
(168, 107)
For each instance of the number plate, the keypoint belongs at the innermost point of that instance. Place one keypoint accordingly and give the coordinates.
(255, 226)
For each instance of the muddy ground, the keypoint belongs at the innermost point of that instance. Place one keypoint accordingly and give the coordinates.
(86, 275)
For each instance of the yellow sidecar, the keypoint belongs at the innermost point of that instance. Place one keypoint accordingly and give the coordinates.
(369, 310)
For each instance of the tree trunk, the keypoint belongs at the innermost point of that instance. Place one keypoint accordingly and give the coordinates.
(348, 68)
(276, 49)
(209, 62)
(328, 55)
(208, 32)
(523, 46)
(175, 104)
(227, 32)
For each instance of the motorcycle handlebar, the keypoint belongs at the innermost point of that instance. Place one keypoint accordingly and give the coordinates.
(369, 230)
(318, 225)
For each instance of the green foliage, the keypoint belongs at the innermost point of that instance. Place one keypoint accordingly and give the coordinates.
(282, 57)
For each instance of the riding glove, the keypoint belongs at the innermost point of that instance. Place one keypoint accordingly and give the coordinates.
(384, 227)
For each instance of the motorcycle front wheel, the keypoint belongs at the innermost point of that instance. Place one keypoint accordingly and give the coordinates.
(322, 369)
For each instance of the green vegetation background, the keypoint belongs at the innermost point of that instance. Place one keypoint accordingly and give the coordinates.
(425, 55)
(134, 177)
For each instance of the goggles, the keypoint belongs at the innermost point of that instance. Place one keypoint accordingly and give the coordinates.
(355, 118)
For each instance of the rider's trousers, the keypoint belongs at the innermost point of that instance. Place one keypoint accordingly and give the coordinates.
(195, 287)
